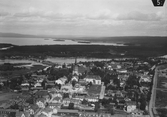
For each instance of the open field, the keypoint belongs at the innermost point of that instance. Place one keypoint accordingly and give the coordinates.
(161, 90)
(161, 98)
(16, 73)
(162, 112)
(7, 96)
(162, 83)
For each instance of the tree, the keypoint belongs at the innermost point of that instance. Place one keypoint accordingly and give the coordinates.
(59, 85)
(65, 95)
(132, 80)
(15, 106)
(44, 84)
(73, 82)
(110, 109)
(117, 82)
(71, 106)
(97, 106)
(104, 102)
(142, 102)
(84, 101)
(89, 84)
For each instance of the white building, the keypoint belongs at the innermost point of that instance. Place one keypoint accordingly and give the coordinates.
(61, 80)
(131, 106)
(95, 79)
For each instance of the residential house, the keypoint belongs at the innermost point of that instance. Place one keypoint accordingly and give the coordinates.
(80, 94)
(122, 71)
(82, 82)
(33, 108)
(61, 80)
(56, 100)
(54, 105)
(37, 84)
(25, 86)
(94, 114)
(79, 97)
(21, 114)
(41, 102)
(47, 112)
(123, 77)
(67, 112)
(42, 115)
(83, 107)
(56, 94)
(50, 84)
(92, 99)
(75, 102)
(75, 77)
(67, 88)
(130, 106)
(42, 94)
(78, 88)
(95, 79)
(137, 113)
(66, 102)
(38, 88)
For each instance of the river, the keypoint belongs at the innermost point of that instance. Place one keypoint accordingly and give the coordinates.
(62, 60)
(58, 60)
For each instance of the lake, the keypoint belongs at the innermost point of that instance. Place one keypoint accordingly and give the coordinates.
(49, 41)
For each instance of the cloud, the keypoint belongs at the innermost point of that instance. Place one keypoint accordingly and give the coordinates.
(3, 14)
(42, 15)
(92, 17)
(138, 16)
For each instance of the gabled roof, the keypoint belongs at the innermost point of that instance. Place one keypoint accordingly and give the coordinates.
(42, 115)
(96, 77)
(63, 78)
(51, 83)
(41, 99)
(57, 98)
(67, 111)
(42, 93)
(47, 110)
(19, 114)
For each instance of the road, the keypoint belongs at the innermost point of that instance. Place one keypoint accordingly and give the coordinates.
(153, 95)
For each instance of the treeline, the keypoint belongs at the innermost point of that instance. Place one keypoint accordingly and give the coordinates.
(9, 67)
(99, 51)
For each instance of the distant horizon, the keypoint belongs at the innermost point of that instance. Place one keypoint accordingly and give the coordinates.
(11, 34)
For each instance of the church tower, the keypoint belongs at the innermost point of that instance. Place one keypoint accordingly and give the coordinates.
(75, 69)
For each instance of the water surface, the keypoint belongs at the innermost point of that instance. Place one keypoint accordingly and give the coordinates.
(57, 60)
(49, 41)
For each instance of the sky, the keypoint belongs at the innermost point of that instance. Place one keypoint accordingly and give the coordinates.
(83, 17)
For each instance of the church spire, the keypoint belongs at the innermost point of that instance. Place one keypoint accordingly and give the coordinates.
(75, 68)
(75, 60)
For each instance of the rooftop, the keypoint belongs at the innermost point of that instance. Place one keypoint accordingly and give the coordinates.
(93, 77)
(67, 111)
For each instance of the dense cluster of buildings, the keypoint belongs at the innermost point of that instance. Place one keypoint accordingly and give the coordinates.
(85, 94)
